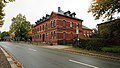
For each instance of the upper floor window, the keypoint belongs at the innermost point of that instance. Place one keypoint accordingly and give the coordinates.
(43, 27)
(46, 26)
(77, 24)
(51, 24)
(37, 29)
(51, 35)
(64, 23)
(40, 28)
(71, 24)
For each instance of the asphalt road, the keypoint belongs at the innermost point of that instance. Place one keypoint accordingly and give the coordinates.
(35, 57)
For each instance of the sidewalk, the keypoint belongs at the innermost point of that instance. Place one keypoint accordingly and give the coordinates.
(12, 62)
(56, 46)
(70, 49)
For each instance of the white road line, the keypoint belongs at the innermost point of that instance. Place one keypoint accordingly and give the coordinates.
(83, 64)
(32, 49)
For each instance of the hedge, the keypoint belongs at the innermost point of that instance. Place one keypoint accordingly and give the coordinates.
(95, 43)
(64, 42)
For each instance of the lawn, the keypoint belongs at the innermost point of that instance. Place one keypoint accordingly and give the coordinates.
(113, 49)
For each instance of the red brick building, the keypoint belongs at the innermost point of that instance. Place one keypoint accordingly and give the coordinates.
(59, 26)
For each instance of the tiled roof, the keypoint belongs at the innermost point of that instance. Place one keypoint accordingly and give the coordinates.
(70, 14)
(60, 12)
(84, 27)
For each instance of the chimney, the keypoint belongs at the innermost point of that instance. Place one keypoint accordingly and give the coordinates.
(59, 9)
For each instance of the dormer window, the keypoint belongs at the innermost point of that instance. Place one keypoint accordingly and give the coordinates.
(40, 20)
(67, 13)
(43, 18)
(47, 16)
(73, 14)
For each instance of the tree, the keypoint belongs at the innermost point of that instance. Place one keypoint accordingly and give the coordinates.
(20, 27)
(105, 8)
(110, 29)
(4, 35)
(2, 14)
(95, 33)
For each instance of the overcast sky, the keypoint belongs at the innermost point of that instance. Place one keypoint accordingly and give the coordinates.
(35, 9)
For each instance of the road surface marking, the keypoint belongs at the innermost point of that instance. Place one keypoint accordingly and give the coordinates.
(32, 49)
(83, 64)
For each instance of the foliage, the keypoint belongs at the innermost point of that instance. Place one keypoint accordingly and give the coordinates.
(20, 27)
(95, 33)
(90, 44)
(64, 42)
(114, 49)
(95, 43)
(4, 34)
(104, 8)
(2, 14)
(110, 29)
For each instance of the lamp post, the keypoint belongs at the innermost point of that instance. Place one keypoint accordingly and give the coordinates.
(77, 32)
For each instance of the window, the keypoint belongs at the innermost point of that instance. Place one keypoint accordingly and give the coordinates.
(51, 35)
(43, 27)
(37, 36)
(40, 36)
(40, 28)
(64, 23)
(85, 33)
(37, 29)
(71, 24)
(54, 35)
(51, 24)
(64, 35)
(46, 26)
(77, 24)
(54, 23)
(73, 16)
(46, 35)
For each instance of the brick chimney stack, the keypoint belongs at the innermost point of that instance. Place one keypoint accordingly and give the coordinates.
(59, 9)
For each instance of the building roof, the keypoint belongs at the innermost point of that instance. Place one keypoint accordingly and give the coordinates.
(60, 12)
(67, 14)
(84, 27)
(108, 22)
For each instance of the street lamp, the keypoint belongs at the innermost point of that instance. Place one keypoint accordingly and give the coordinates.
(77, 32)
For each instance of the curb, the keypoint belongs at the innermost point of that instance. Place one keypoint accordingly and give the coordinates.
(92, 54)
(11, 60)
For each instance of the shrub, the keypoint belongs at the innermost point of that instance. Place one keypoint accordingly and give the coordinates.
(113, 49)
(89, 44)
(51, 44)
(64, 42)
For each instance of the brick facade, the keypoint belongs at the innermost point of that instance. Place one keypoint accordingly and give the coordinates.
(55, 27)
